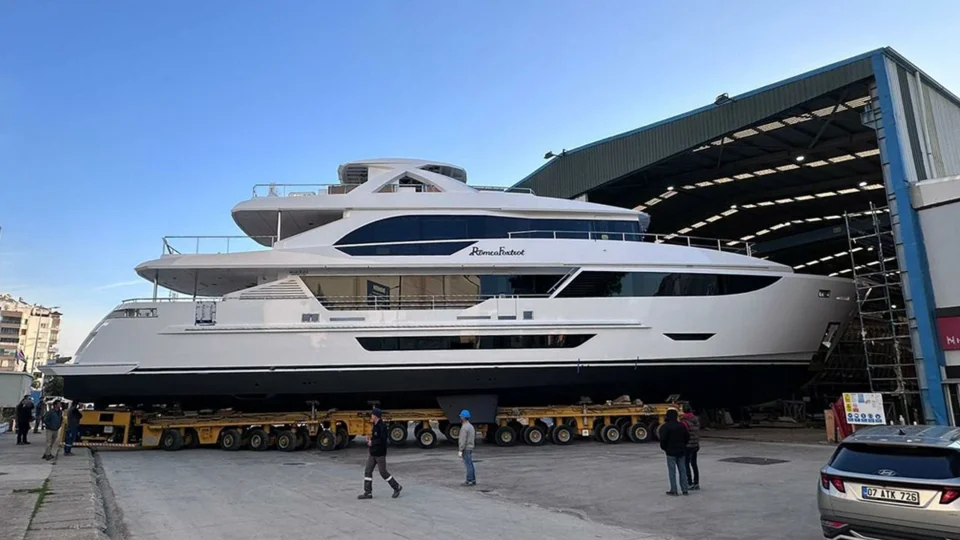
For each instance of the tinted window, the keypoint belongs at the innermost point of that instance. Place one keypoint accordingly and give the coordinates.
(452, 227)
(437, 248)
(603, 284)
(926, 463)
(428, 343)
(517, 285)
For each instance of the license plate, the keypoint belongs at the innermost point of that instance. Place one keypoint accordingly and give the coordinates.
(108, 429)
(891, 495)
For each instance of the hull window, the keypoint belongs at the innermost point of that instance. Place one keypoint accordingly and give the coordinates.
(446, 343)
(389, 250)
(453, 227)
(604, 284)
(424, 292)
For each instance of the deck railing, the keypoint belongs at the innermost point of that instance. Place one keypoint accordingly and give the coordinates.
(301, 190)
(194, 245)
(433, 301)
(719, 244)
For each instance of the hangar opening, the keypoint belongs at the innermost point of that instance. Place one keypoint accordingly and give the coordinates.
(806, 172)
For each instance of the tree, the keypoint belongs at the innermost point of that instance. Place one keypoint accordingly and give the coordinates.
(53, 386)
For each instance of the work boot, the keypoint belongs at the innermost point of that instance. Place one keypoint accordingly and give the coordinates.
(396, 491)
(673, 494)
(365, 495)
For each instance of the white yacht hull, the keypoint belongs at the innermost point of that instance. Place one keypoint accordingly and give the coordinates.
(724, 350)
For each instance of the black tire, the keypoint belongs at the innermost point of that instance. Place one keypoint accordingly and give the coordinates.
(171, 440)
(397, 433)
(190, 438)
(505, 436)
(611, 434)
(550, 430)
(303, 438)
(230, 439)
(286, 440)
(343, 437)
(258, 439)
(623, 423)
(563, 434)
(522, 433)
(535, 435)
(326, 441)
(598, 431)
(452, 433)
(638, 433)
(653, 428)
(427, 438)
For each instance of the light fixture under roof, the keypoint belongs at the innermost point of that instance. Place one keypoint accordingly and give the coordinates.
(733, 206)
(669, 188)
(863, 184)
(800, 158)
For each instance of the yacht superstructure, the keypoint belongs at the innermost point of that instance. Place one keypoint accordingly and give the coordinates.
(402, 283)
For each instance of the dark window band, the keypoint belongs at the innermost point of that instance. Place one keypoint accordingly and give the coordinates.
(445, 343)
(459, 227)
(689, 337)
(641, 284)
(438, 248)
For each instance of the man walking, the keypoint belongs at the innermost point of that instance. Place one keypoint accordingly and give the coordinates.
(74, 415)
(692, 423)
(40, 410)
(378, 458)
(466, 442)
(51, 422)
(24, 416)
(673, 442)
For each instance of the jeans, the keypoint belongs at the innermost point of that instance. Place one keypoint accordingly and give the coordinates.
(674, 464)
(693, 472)
(73, 434)
(468, 463)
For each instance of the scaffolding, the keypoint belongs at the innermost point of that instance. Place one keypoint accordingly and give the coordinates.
(884, 327)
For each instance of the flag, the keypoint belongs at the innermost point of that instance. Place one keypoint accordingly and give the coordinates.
(20, 357)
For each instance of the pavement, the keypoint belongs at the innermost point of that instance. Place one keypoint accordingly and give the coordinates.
(47, 500)
(584, 491)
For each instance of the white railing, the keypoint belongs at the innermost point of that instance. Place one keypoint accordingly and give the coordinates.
(437, 301)
(180, 245)
(300, 190)
(734, 246)
(167, 300)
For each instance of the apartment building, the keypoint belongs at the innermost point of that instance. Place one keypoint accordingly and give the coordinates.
(32, 330)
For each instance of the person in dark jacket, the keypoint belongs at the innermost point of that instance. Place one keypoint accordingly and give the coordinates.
(24, 416)
(692, 423)
(52, 421)
(74, 415)
(673, 441)
(41, 410)
(378, 457)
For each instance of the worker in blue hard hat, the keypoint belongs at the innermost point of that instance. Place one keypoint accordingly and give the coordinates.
(466, 440)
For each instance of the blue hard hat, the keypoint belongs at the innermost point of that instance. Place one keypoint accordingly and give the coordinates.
(464, 414)
(377, 412)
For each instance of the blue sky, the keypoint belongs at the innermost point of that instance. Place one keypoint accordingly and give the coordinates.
(121, 122)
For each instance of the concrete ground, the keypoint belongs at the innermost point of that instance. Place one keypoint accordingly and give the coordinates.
(587, 490)
(22, 474)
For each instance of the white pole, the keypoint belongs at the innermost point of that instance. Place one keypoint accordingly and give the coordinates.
(278, 226)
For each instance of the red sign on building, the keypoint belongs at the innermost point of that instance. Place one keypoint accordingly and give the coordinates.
(949, 328)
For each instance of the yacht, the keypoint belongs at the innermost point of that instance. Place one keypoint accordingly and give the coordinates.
(403, 284)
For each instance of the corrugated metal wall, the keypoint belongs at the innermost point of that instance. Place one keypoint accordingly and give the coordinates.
(594, 165)
(943, 125)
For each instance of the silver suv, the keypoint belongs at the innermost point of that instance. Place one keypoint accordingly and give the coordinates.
(893, 482)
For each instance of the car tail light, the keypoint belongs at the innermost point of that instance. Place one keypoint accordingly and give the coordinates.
(949, 495)
(826, 480)
(834, 525)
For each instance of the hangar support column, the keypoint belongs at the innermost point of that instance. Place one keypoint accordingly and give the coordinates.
(894, 141)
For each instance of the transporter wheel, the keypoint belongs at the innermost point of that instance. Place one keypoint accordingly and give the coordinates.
(638, 433)
(562, 434)
(653, 427)
(258, 439)
(303, 438)
(623, 424)
(190, 438)
(535, 435)
(611, 434)
(550, 431)
(343, 437)
(598, 430)
(452, 433)
(230, 439)
(286, 440)
(427, 438)
(326, 441)
(397, 433)
(171, 439)
(506, 436)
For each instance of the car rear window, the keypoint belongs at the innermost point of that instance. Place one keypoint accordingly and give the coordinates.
(926, 463)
